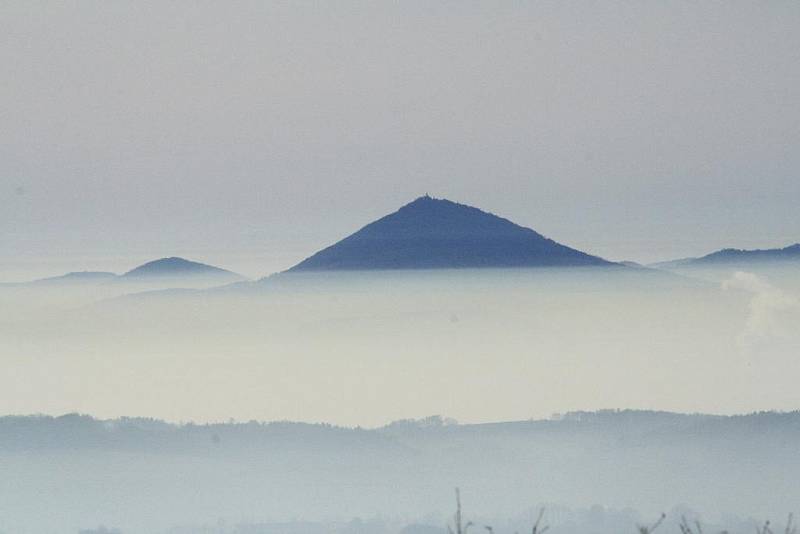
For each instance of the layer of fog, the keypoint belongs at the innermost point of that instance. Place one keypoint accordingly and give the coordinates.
(363, 349)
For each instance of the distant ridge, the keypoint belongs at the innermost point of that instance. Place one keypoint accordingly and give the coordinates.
(792, 252)
(178, 267)
(734, 256)
(431, 233)
(159, 272)
(78, 277)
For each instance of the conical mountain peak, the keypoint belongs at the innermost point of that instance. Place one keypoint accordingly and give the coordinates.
(431, 233)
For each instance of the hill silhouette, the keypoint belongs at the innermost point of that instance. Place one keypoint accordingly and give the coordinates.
(178, 267)
(431, 233)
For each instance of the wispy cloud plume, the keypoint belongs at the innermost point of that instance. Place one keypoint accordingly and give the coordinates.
(768, 307)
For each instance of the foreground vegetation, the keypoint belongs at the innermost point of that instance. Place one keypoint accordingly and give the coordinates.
(685, 526)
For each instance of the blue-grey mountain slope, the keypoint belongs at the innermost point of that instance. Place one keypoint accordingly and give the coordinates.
(733, 256)
(434, 233)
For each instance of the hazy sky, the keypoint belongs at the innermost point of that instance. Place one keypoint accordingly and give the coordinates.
(252, 134)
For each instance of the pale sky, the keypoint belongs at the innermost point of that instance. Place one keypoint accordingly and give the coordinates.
(250, 134)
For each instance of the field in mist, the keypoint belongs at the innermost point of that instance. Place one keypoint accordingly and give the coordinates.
(595, 472)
